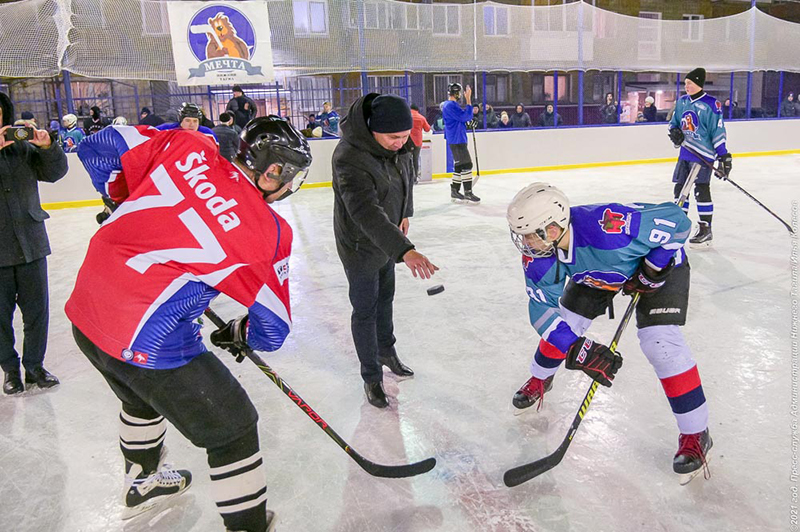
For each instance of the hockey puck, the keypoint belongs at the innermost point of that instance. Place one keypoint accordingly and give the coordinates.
(438, 289)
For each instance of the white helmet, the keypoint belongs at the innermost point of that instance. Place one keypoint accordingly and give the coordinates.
(533, 209)
(69, 120)
(120, 121)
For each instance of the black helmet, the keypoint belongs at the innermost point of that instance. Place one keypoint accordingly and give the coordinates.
(268, 140)
(454, 90)
(190, 110)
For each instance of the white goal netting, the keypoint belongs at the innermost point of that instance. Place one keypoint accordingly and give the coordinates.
(129, 39)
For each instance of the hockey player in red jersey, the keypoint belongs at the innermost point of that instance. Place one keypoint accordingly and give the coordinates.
(190, 225)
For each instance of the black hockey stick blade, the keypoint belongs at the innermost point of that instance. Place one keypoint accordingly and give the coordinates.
(520, 474)
(392, 471)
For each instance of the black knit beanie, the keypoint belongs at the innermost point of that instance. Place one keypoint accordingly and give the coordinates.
(390, 114)
(698, 76)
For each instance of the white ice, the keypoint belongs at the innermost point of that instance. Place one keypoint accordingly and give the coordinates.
(470, 346)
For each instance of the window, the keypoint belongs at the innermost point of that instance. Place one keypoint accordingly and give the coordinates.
(309, 93)
(412, 17)
(155, 20)
(547, 19)
(497, 89)
(446, 20)
(387, 84)
(649, 35)
(441, 82)
(310, 17)
(549, 86)
(495, 20)
(692, 28)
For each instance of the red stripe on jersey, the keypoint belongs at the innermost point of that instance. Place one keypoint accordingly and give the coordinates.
(551, 351)
(682, 383)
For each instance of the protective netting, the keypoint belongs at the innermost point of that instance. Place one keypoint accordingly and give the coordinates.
(129, 39)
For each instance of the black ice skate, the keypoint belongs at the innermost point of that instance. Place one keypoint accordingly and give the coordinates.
(690, 460)
(468, 195)
(531, 392)
(455, 195)
(146, 490)
(703, 235)
(271, 520)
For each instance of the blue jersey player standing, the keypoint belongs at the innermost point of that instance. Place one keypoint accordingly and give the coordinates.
(697, 123)
(455, 133)
(575, 261)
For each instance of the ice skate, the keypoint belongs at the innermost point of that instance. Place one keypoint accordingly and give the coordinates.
(703, 236)
(455, 195)
(691, 458)
(144, 491)
(468, 195)
(531, 392)
(271, 520)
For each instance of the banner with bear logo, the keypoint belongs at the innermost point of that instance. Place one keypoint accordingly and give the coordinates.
(221, 43)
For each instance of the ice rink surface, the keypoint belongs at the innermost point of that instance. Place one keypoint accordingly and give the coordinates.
(470, 346)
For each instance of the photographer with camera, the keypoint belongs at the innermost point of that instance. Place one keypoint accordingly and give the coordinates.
(27, 156)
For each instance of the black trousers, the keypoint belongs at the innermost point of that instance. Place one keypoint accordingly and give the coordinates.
(24, 285)
(415, 151)
(372, 295)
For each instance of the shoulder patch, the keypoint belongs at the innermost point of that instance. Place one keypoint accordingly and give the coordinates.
(612, 222)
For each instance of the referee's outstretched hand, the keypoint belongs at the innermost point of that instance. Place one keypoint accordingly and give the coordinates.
(419, 264)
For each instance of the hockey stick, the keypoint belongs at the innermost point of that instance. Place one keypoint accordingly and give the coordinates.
(518, 475)
(475, 147)
(720, 175)
(376, 470)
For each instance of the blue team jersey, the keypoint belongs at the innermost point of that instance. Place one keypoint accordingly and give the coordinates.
(702, 125)
(607, 244)
(455, 119)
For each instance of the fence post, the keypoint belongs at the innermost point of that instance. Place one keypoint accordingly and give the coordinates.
(59, 107)
(483, 92)
(278, 96)
(362, 46)
(68, 91)
(210, 103)
(407, 82)
(555, 99)
(580, 63)
(619, 96)
(780, 94)
(730, 99)
(753, 10)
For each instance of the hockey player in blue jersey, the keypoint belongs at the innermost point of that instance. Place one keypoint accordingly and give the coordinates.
(575, 261)
(697, 123)
(190, 116)
(455, 133)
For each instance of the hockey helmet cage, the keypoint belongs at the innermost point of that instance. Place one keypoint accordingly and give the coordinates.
(190, 110)
(268, 140)
(532, 210)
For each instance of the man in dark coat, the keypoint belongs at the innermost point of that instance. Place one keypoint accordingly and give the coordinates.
(226, 136)
(23, 250)
(148, 118)
(242, 108)
(372, 185)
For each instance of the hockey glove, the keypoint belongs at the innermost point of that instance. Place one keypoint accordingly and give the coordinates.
(725, 166)
(676, 136)
(232, 337)
(596, 360)
(646, 280)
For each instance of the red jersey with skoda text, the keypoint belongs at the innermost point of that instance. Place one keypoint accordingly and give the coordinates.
(192, 226)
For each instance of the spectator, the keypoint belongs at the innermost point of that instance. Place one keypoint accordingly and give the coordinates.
(491, 117)
(549, 117)
(227, 137)
(55, 131)
(420, 124)
(505, 122)
(788, 108)
(438, 122)
(120, 121)
(95, 122)
(28, 118)
(373, 200)
(329, 119)
(610, 111)
(650, 111)
(71, 135)
(476, 115)
(148, 118)
(520, 118)
(311, 123)
(24, 244)
(242, 108)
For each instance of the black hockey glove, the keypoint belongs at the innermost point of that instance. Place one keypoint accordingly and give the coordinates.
(110, 207)
(646, 280)
(596, 360)
(232, 337)
(725, 166)
(676, 136)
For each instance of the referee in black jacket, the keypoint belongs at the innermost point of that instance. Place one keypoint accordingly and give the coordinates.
(373, 181)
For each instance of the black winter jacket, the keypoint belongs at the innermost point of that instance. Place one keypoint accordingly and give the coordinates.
(365, 211)
(228, 141)
(23, 237)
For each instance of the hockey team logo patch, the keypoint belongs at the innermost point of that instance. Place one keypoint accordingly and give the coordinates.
(223, 40)
(127, 354)
(612, 222)
(282, 270)
(689, 124)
